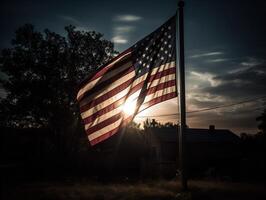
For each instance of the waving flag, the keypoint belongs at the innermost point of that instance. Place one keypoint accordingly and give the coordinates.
(141, 76)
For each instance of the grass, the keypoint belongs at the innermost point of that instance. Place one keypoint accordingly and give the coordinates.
(151, 190)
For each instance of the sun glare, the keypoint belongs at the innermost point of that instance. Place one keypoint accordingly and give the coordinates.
(129, 107)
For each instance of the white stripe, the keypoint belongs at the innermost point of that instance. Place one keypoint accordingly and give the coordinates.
(105, 103)
(122, 93)
(104, 117)
(110, 87)
(111, 113)
(136, 94)
(105, 130)
(160, 93)
(162, 79)
(146, 103)
(126, 78)
(91, 84)
(163, 67)
(114, 72)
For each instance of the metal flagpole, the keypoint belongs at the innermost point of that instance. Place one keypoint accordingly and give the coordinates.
(182, 97)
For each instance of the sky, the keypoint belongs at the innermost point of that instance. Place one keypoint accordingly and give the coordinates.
(225, 49)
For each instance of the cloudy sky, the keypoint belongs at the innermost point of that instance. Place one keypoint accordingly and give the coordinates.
(225, 48)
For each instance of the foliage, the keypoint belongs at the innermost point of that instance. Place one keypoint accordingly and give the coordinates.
(155, 124)
(43, 72)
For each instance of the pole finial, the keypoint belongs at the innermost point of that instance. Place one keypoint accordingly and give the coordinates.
(181, 3)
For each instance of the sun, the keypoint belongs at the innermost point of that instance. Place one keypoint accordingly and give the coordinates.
(129, 107)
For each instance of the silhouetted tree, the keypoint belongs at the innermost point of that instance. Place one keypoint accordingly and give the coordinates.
(150, 124)
(42, 73)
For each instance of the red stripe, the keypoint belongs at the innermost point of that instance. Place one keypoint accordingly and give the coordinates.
(161, 86)
(159, 100)
(103, 124)
(104, 137)
(162, 73)
(103, 67)
(106, 96)
(116, 104)
(111, 67)
(107, 82)
(152, 78)
(103, 111)
(133, 90)
(110, 133)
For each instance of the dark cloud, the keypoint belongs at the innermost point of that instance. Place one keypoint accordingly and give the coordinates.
(249, 82)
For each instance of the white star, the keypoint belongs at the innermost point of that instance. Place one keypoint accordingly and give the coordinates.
(166, 52)
(151, 59)
(169, 36)
(165, 33)
(144, 64)
(162, 58)
(148, 66)
(169, 45)
(147, 48)
(165, 42)
(140, 71)
(161, 48)
(140, 62)
(170, 55)
(169, 27)
(161, 39)
(144, 55)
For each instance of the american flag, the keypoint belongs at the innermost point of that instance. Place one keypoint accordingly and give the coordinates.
(140, 77)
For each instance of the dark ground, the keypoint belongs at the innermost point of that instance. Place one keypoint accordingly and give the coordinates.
(127, 190)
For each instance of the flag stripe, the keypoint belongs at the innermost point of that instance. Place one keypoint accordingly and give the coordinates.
(102, 80)
(121, 60)
(115, 121)
(161, 86)
(86, 110)
(105, 129)
(86, 105)
(99, 118)
(101, 85)
(104, 110)
(100, 136)
(117, 109)
(159, 93)
(104, 123)
(116, 83)
(108, 95)
(113, 65)
(107, 102)
(157, 100)
(154, 71)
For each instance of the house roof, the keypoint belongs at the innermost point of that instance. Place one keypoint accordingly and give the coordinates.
(196, 135)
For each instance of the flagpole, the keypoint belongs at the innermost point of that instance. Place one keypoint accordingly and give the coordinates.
(182, 97)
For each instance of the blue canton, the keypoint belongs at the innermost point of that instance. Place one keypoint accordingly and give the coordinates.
(156, 49)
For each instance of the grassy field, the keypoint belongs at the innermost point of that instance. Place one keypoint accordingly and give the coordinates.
(151, 190)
